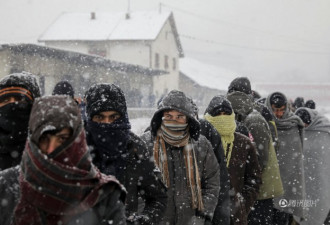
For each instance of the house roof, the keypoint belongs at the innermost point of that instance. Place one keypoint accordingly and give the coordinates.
(207, 75)
(143, 25)
(79, 58)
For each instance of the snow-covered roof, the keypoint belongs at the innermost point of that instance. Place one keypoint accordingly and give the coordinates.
(205, 74)
(144, 25)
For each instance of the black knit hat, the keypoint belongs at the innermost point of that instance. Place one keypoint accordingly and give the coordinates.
(304, 115)
(310, 104)
(241, 84)
(278, 100)
(299, 102)
(219, 104)
(105, 97)
(63, 88)
(23, 84)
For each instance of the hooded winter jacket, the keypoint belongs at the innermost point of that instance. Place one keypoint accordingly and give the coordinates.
(62, 186)
(179, 203)
(290, 159)
(243, 107)
(118, 151)
(243, 166)
(317, 167)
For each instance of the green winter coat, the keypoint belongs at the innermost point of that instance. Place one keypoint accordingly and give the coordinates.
(271, 179)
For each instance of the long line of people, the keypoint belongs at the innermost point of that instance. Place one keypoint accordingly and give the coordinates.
(248, 160)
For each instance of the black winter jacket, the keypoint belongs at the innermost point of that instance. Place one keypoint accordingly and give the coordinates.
(140, 181)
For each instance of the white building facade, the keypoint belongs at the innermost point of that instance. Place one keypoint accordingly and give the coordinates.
(148, 39)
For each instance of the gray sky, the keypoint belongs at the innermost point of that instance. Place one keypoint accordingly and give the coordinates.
(266, 40)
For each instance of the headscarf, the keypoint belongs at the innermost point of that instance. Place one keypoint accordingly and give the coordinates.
(57, 187)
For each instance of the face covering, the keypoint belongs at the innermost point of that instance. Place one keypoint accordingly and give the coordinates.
(226, 126)
(14, 118)
(109, 142)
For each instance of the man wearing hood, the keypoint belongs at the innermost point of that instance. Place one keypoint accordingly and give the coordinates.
(317, 167)
(56, 182)
(290, 158)
(241, 158)
(17, 93)
(186, 161)
(240, 96)
(118, 151)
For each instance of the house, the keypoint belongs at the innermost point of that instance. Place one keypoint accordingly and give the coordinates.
(52, 65)
(149, 39)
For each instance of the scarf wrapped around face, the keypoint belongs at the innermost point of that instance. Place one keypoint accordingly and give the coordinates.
(54, 189)
(109, 142)
(14, 119)
(57, 187)
(226, 126)
(177, 135)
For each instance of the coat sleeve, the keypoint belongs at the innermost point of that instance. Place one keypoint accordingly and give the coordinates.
(260, 131)
(252, 178)
(152, 189)
(112, 209)
(9, 192)
(210, 179)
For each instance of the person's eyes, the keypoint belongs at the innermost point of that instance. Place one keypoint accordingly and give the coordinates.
(98, 117)
(114, 117)
(62, 139)
(43, 138)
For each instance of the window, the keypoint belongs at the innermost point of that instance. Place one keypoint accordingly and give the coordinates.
(166, 62)
(156, 60)
(174, 64)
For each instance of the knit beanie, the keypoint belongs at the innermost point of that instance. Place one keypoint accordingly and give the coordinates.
(217, 105)
(105, 97)
(63, 88)
(299, 102)
(310, 104)
(304, 115)
(20, 84)
(241, 84)
(278, 100)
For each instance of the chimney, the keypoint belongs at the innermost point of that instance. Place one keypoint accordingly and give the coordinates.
(92, 15)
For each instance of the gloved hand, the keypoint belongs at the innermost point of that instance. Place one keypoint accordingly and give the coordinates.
(207, 221)
(138, 220)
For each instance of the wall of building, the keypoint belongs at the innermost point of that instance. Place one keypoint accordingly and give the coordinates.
(165, 45)
(132, 52)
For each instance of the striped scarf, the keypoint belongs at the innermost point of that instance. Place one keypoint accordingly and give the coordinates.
(56, 188)
(226, 126)
(177, 135)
